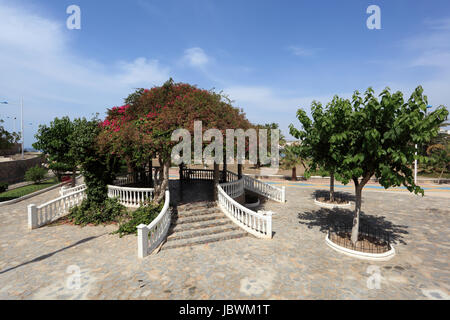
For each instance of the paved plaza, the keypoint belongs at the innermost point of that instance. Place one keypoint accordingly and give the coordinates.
(295, 264)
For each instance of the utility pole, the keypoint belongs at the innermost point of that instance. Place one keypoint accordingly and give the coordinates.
(23, 135)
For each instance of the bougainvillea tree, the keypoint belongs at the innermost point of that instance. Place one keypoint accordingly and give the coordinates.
(143, 127)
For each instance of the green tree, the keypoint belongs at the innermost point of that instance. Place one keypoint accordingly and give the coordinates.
(7, 139)
(35, 174)
(316, 137)
(439, 160)
(97, 168)
(379, 140)
(54, 141)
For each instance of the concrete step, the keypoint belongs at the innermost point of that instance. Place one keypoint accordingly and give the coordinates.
(199, 212)
(178, 220)
(200, 225)
(222, 236)
(196, 205)
(186, 234)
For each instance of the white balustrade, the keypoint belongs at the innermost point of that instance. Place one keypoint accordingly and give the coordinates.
(52, 210)
(65, 190)
(234, 189)
(131, 197)
(124, 180)
(257, 223)
(265, 189)
(152, 235)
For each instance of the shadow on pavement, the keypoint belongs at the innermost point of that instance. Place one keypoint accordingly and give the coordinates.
(324, 219)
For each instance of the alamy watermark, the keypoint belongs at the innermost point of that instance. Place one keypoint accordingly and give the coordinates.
(374, 21)
(235, 140)
(74, 20)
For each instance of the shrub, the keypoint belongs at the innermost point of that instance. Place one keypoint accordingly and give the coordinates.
(35, 174)
(92, 213)
(3, 187)
(143, 215)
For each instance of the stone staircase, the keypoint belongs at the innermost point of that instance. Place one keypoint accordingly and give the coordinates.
(200, 223)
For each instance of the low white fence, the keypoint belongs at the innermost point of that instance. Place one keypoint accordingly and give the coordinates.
(257, 223)
(234, 189)
(152, 235)
(66, 190)
(265, 189)
(124, 180)
(131, 197)
(52, 210)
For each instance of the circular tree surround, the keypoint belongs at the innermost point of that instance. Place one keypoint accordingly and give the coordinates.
(382, 250)
(332, 205)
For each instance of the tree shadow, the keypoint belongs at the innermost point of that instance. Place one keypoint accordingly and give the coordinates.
(338, 194)
(325, 219)
(48, 255)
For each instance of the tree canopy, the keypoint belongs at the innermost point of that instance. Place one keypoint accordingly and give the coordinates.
(377, 137)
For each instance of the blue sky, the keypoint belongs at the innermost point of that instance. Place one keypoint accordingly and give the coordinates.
(270, 57)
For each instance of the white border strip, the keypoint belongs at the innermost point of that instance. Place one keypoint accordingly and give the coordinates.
(362, 255)
(331, 206)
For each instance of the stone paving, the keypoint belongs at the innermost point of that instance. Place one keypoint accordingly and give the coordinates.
(295, 264)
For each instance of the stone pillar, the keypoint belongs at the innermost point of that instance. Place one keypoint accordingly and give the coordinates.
(142, 240)
(32, 217)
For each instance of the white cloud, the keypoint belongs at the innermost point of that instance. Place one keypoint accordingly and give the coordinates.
(37, 62)
(302, 52)
(196, 57)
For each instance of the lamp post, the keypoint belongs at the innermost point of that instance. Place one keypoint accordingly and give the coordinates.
(415, 161)
(21, 125)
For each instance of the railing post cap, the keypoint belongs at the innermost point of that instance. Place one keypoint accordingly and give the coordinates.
(31, 205)
(142, 226)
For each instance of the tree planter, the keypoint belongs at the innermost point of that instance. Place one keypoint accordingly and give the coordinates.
(361, 255)
(332, 205)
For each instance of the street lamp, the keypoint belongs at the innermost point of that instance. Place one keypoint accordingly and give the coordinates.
(21, 115)
(415, 161)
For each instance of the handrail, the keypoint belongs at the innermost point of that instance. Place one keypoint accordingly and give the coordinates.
(256, 223)
(152, 235)
(51, 210)
(234, 189)
(130, 197)
(65, 191)
(265, 189)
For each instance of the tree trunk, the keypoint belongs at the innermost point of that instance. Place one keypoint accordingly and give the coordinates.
(224, 172)
(355, 228)
(332, 187)
(162, 182)
(216, 180)
(440, 176)
(74, 177)
(239, 171)
(294, 174)
(150, 172)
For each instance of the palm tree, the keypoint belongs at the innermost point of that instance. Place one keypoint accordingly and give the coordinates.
(290, 161)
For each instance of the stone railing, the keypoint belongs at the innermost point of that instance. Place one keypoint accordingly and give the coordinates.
(39, 216)
(131, 197)
(234, 189)
(152, 235)
(257, 223)
(198, 174)
(66, 190)
(265, 189)
(124, 180)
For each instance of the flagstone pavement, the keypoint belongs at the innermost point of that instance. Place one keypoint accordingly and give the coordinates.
(295, 264)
